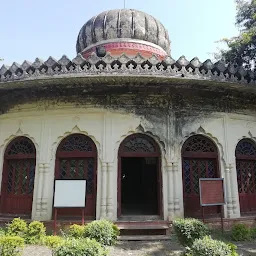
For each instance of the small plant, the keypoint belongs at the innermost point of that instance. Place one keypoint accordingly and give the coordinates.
(208, 247)
(233, 248)
(2, 232)
(253, 233)
(53, 242)
(17, 227)
(188, 230)
(76, 231)
(80, 247)
(116, 231)
(35, 232)
(11, 245)
(241, 232)
(102, 231)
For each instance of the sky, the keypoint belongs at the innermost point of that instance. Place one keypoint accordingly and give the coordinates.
(32, 28)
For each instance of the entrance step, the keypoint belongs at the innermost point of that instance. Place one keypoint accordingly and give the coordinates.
(146, 228)
(144, 238)
(143, 218)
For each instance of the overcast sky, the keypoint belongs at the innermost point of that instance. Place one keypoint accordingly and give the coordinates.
(32, 28)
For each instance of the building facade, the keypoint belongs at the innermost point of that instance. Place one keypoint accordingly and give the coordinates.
(140, 127)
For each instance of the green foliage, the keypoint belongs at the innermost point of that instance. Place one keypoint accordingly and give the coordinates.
(2, 232)
(11, 245)
(116, 230)
(187, 230)
(53, 242)
(76, 231)
(241, 232)
(233, 248)
(35, 232)
(253, 233)
(208, 247)
(17, 227)
(102, 231)
(242, 49)
(80, 247)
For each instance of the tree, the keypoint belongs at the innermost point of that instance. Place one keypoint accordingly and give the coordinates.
(242, 49)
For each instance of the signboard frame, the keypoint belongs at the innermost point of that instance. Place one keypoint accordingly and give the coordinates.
(221, 204)
(56, 208)
(66, 181)
(223, 190)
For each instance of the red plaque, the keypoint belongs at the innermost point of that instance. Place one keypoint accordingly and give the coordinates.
(212, 192)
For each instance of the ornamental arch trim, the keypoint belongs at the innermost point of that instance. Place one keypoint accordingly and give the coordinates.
(138, 131)
(75, 130)
(215, 141)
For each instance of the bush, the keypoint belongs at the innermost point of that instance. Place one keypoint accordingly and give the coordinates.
(233, 248)
(76, 231)
(53, 241)
(80, 247)
(253, 233)
(11, 245)
(209, 247)
(188, 230)
(102, 231)
(35, 232)
(17, 227)
(2, 232)
(116, 231)
(240, 232)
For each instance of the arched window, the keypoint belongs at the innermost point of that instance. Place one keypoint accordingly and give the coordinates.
(199, 160)
(246, 175)
(18, 177)
(139, 176)
(76, 158)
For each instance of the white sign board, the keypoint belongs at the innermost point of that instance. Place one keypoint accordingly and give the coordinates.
(69, 193)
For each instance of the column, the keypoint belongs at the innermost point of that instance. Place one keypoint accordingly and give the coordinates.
(176, 188)
(110, 185)
(103, 208)
(39, 187)
(169, 170)
(228, 191)
(45, 202)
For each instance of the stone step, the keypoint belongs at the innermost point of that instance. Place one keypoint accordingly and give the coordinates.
(144, 226)
(144, 238)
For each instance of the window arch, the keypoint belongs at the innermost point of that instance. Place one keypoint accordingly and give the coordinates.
(76, 158)
(246, 175)
(18, 176)
(199, 160)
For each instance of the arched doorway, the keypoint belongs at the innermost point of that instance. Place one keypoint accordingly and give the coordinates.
(18, 177)
(139, 176)
(246, 175)
(199, 160)
(76, 158)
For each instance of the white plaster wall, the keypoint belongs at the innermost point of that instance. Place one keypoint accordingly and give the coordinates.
(47, 127)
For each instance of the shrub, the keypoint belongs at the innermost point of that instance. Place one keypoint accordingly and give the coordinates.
(53, 241)
(188, 230)
(35, 232)
(233, 248)
(2, 232)
(208, 247)
(240, 232)
(102, 231)
(11, 245)
(76, 231)
(116, 231)
(80, 247)
(253, 233)
(17, 227)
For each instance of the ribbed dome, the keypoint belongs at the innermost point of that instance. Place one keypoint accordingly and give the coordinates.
(122, 24)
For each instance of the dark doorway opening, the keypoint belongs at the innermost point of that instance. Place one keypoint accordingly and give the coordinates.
(139, 186)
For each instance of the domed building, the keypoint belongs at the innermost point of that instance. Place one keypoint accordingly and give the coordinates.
(139, 126)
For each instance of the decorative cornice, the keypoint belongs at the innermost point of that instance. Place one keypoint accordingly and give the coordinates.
(95, 66)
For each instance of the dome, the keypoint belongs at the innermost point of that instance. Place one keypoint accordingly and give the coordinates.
(119, 27)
